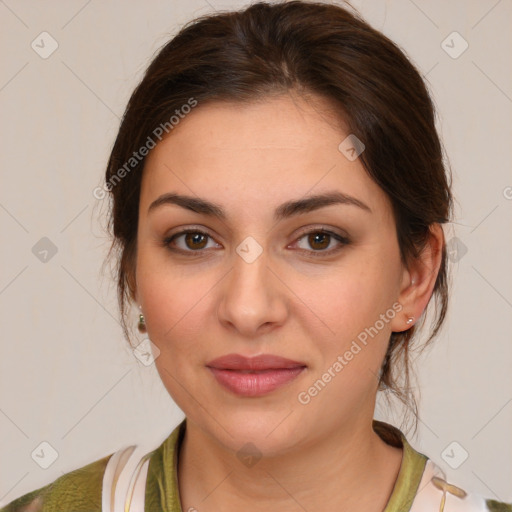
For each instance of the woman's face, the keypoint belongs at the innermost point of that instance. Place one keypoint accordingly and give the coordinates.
(264, 279)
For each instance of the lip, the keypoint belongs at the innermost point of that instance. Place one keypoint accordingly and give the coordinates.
(254, 376)
(261, 362)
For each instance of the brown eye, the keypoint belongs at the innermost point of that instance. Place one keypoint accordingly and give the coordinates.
(187, 241)
(195, 240)
(319, 240)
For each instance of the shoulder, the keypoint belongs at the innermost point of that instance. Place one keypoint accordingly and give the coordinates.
(436, 493)
(422, 486)
(114, 482)
(77, 491)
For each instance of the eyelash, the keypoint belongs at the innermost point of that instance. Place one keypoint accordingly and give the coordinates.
(316, 254)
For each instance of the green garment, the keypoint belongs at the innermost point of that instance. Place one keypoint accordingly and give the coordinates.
(80, 490)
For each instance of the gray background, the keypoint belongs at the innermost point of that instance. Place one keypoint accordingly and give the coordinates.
(68, 378)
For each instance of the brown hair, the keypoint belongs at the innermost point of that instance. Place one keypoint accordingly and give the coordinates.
(313, 48)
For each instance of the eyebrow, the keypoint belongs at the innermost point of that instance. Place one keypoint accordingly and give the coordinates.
(285, 210)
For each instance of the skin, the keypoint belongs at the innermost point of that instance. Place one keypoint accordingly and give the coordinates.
(250, 159)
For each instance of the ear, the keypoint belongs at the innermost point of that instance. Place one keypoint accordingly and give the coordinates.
(132, 288)
(128, 264)
(418, 280)
(131, 282)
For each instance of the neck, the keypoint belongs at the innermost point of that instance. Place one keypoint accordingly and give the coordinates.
(353, 468)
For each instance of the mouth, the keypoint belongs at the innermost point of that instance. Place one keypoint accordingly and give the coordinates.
(254, 376)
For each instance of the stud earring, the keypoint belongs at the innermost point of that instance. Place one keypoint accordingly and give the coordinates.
(142, 324)
(409, 320)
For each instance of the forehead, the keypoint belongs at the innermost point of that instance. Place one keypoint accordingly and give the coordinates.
(286, 122)
(256, 154)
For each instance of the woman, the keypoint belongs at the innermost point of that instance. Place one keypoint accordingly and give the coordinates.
(278, 198)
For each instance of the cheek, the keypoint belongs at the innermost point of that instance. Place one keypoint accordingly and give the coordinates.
(354, 295)
(174, 317)
(173, 302)
(357, 307)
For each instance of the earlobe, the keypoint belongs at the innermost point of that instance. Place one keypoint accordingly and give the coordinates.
(420, 279)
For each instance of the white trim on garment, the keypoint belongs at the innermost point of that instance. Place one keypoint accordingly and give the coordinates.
(429, 497)
(124, 480)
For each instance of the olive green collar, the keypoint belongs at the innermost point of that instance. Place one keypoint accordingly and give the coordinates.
(411, 468)
(162, 490)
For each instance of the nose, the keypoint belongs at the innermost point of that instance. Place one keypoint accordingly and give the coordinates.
(252, 298)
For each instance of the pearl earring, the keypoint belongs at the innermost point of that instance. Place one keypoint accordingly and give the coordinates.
(142, 321)
(142, 324)
(410, 320)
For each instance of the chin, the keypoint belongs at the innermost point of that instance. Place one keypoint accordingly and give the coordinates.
(272, 432)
